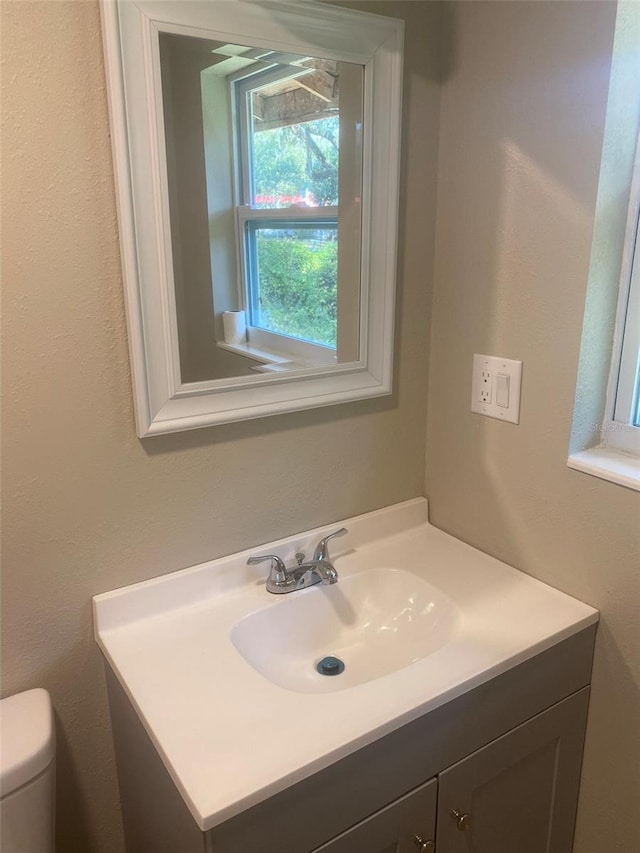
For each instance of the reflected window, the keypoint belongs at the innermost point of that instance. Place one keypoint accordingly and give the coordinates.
(287, 150)
(264, 172)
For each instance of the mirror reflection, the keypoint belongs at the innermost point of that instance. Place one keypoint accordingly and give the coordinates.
(264, 167)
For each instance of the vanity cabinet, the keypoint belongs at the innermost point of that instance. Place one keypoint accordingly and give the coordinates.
(507, 754)
(518, 794)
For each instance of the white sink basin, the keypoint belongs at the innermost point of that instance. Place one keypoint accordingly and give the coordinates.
(375, 622)
(214, 664)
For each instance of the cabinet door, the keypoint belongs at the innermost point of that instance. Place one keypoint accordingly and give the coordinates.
(518, 794)
(405, 826)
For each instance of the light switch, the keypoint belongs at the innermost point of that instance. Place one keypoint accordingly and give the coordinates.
(495, 387)
(502, 390)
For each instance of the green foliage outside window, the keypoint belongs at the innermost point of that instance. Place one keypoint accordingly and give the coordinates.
(292, 161)
(298, 285)
(297, 270)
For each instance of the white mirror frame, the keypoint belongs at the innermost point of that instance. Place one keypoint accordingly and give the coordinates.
(130, 35)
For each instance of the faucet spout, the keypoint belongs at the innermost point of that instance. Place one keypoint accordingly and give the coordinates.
(313, 572)
(326, 570)
(281, 579)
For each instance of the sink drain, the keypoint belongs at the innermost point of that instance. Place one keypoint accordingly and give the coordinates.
(330, 666)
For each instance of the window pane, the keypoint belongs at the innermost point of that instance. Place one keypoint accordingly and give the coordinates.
(627, 402)
(294, 142)
(294, 277)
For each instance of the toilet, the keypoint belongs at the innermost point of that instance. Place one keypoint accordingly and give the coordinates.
(27, 773)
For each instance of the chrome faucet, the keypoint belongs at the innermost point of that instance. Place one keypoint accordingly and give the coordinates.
(304, 574)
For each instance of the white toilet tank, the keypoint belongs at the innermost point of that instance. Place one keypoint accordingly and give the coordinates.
(27, 773)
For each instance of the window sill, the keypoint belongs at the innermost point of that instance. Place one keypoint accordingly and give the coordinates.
(255, 353)
(620, 468)
(302, 354)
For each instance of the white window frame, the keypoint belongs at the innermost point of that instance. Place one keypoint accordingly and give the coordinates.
(617, 456)
(620, 429)
(242, 84)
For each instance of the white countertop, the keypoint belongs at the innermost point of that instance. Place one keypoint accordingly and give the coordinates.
(210, 714)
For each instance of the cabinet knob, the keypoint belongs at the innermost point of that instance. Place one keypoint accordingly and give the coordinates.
(462, 820)
(424, 846)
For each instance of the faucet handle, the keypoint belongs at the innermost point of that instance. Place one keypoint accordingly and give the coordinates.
(278, 572)
(321, 552)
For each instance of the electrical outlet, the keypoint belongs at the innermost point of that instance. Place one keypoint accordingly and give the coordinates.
(485, 386)
(495, 387)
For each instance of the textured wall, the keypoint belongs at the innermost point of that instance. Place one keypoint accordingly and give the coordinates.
(87, 506)
(522, 119)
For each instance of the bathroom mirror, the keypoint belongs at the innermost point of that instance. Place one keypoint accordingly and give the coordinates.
(256, 149)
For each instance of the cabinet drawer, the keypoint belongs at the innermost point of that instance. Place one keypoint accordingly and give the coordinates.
(393, 829)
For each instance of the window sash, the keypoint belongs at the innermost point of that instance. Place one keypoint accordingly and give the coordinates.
(249, 217)
(249, 220)
(626, 401)
(622, 425)
(243, 89)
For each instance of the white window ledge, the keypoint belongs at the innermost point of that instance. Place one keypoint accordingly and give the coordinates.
(287, 354)
(620, 468)
(255, 353)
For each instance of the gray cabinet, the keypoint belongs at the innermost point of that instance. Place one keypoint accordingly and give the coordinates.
(406, 826)
(519, 793)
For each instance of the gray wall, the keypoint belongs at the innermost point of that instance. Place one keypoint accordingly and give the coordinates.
(87, 506)
(521, 127)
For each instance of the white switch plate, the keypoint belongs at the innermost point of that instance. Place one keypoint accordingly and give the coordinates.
(496, 379)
